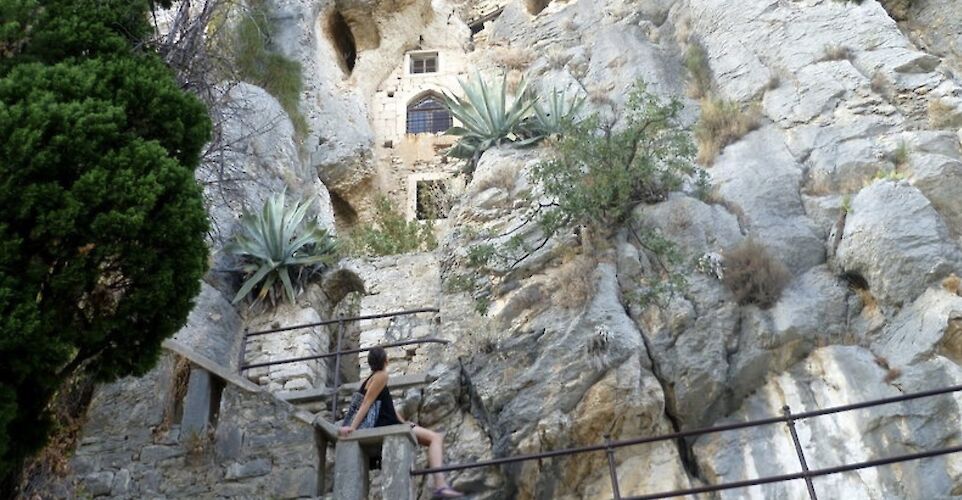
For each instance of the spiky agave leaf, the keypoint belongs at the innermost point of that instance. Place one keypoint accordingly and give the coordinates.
(275, 241)
(486, 118)
(558, 115)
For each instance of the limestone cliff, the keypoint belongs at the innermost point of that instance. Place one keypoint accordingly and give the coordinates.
(851, 179)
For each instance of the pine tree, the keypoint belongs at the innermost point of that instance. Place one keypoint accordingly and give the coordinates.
(102, 225)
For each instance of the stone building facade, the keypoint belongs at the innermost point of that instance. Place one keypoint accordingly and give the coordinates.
(409, 121)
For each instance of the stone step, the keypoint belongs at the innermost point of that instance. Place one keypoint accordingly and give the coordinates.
(397, 382)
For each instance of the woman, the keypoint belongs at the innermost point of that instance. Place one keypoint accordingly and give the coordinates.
(374, 389)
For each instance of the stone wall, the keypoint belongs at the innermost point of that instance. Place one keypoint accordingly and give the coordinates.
(397, 283)
(287, 345)
(132, 445)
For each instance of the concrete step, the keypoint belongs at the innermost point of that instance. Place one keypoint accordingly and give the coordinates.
(397, 382)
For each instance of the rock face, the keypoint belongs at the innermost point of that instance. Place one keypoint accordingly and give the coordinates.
(833, 376)
(897, 242)
(846, 180)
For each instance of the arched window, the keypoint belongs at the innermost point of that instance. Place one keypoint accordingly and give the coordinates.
(428, 114)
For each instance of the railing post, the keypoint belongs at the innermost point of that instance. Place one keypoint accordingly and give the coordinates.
(798, 449)
(337, 368)
(243, 352)
(611, 467)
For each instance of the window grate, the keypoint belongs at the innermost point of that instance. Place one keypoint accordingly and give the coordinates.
(428, 115)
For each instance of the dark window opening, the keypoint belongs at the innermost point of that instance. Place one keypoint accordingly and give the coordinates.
(433, 200)
(428, 114)
(216, 391)
(424, 63)
(343, 39)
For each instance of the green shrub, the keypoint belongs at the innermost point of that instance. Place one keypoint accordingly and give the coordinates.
(721, 123)
(257, 63)
(901, 154)
(486, 118)
(102, 226)
(389, 233)
(699, 72)
(753, 275)
(596, 175)
(276, 242)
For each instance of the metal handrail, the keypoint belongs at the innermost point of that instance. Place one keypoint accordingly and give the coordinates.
(338, 352)
(346, 320)
(426, 340)
(787, 418)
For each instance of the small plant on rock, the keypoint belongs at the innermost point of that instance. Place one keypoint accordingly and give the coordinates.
(901, 154)
(835, 52)
(278, 245)
(699, 72)
(754, 275)
(390, 233)
(721, 123)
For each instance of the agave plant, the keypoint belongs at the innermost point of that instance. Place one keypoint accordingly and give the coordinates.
(487, 119)
(276, 242)
(556, 116)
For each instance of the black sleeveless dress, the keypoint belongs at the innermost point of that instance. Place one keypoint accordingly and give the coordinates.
(387, 416)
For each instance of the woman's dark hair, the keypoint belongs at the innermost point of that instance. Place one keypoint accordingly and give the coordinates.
(376, 358)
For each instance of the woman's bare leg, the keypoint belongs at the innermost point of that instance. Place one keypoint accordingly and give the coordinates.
(435, 444)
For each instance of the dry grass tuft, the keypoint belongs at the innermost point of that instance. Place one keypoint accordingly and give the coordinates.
(882, 86)
(721, 123)
(892, 374)
(513, 58)
(951, 284)
(774, 81)
(197, 443)
(753, 275)
(175, 395)
(557, 57)
(506, 180)
(944, 116)
(69, 409)
(835, 52)
(600, 96)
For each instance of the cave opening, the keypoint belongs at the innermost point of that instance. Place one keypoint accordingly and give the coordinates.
(343, 39)
(344, 214)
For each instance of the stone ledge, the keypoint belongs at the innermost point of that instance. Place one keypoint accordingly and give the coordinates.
(399, 382)
(376, 435)
(366, 437)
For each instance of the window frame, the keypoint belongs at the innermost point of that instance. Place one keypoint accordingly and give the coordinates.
(423, 58)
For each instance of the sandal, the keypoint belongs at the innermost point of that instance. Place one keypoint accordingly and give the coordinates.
(447, 492)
